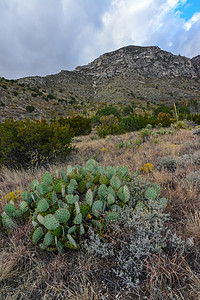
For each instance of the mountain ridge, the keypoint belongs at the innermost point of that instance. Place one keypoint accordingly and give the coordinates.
(131, 74)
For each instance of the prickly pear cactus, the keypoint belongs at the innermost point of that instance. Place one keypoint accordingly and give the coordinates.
(63, 206)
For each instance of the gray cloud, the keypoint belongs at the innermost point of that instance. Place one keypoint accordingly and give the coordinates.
(39, 37)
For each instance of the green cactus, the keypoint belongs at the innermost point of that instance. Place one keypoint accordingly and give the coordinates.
(8, 222)
(43, 205)
(163, 202)
(110, 199)
(69, 169)
(84, 209)
(64, 175)
(81, 186)
(103, 192)
(70, 199)
(57, 232)
(23, 206)
(122, 171)
(43, 188)
(124, 194)
(47, 178)
(62, 214)
(57, 185)
(112, 216)
(40, 219)
(91, 165)
(151, 193)
(97, 208)
(71, 240)
(96, 177)
(17, 213)
(9, 209)
(37, 234)
(51, 222)
(34, 185)
(78, 219)
(104, 180)
(110, 171)
(89, 197)
(82, 229)
(72, 229)
(48, 239)
(77, 208)
(115, 182)
(70, 188)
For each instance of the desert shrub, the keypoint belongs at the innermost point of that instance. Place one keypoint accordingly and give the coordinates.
(2, 104)
(51, 96)
(164, 109)
(20, 139)
(30, 108)
(164, 119)
(109, 126)
(194, 179)
(167, 162)
(136, 122)
(195, 118)
(15, 93)
(80, 125)
(127, 110)
(106, 111)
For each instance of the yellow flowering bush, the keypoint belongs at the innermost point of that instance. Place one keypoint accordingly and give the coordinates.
(14, 196)
(147, 168)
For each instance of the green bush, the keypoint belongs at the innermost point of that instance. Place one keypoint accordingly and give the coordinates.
(109, 126)
(136, 122)
(21, 140)
(106, 111)
(80, 125)
(30, 108)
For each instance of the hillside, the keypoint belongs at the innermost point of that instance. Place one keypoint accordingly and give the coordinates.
(131, 75)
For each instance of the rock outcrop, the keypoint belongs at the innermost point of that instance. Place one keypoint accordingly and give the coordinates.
(147, 62)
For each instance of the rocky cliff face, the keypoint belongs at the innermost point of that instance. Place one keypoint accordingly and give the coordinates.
(146, 62)
(196, 63)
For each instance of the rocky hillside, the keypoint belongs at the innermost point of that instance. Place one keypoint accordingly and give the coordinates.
(132, 74)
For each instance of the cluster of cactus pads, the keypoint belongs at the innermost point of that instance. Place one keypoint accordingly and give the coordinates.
(63, 206)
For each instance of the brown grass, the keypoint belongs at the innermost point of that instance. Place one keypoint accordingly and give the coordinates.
(27, 273)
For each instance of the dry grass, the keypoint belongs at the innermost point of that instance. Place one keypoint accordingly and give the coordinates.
(26, 273)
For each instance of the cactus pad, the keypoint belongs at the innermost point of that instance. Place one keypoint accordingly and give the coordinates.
(9, 209)
(89, 197)
(151, 193)
(104, 180)
(115, 182)
(48, 239)
(51, 222)
(62, 214)
(43, 205)
(37, 234)
(47, 178)
(78, 219)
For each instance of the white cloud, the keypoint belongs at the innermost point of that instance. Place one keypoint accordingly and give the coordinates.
(43, 37)
(193, 20)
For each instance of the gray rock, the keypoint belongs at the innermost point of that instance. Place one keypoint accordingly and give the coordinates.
(196, 131)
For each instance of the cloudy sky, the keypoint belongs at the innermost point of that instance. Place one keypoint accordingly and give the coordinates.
(39, 37)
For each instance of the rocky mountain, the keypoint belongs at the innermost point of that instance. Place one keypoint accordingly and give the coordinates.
(130, 75)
